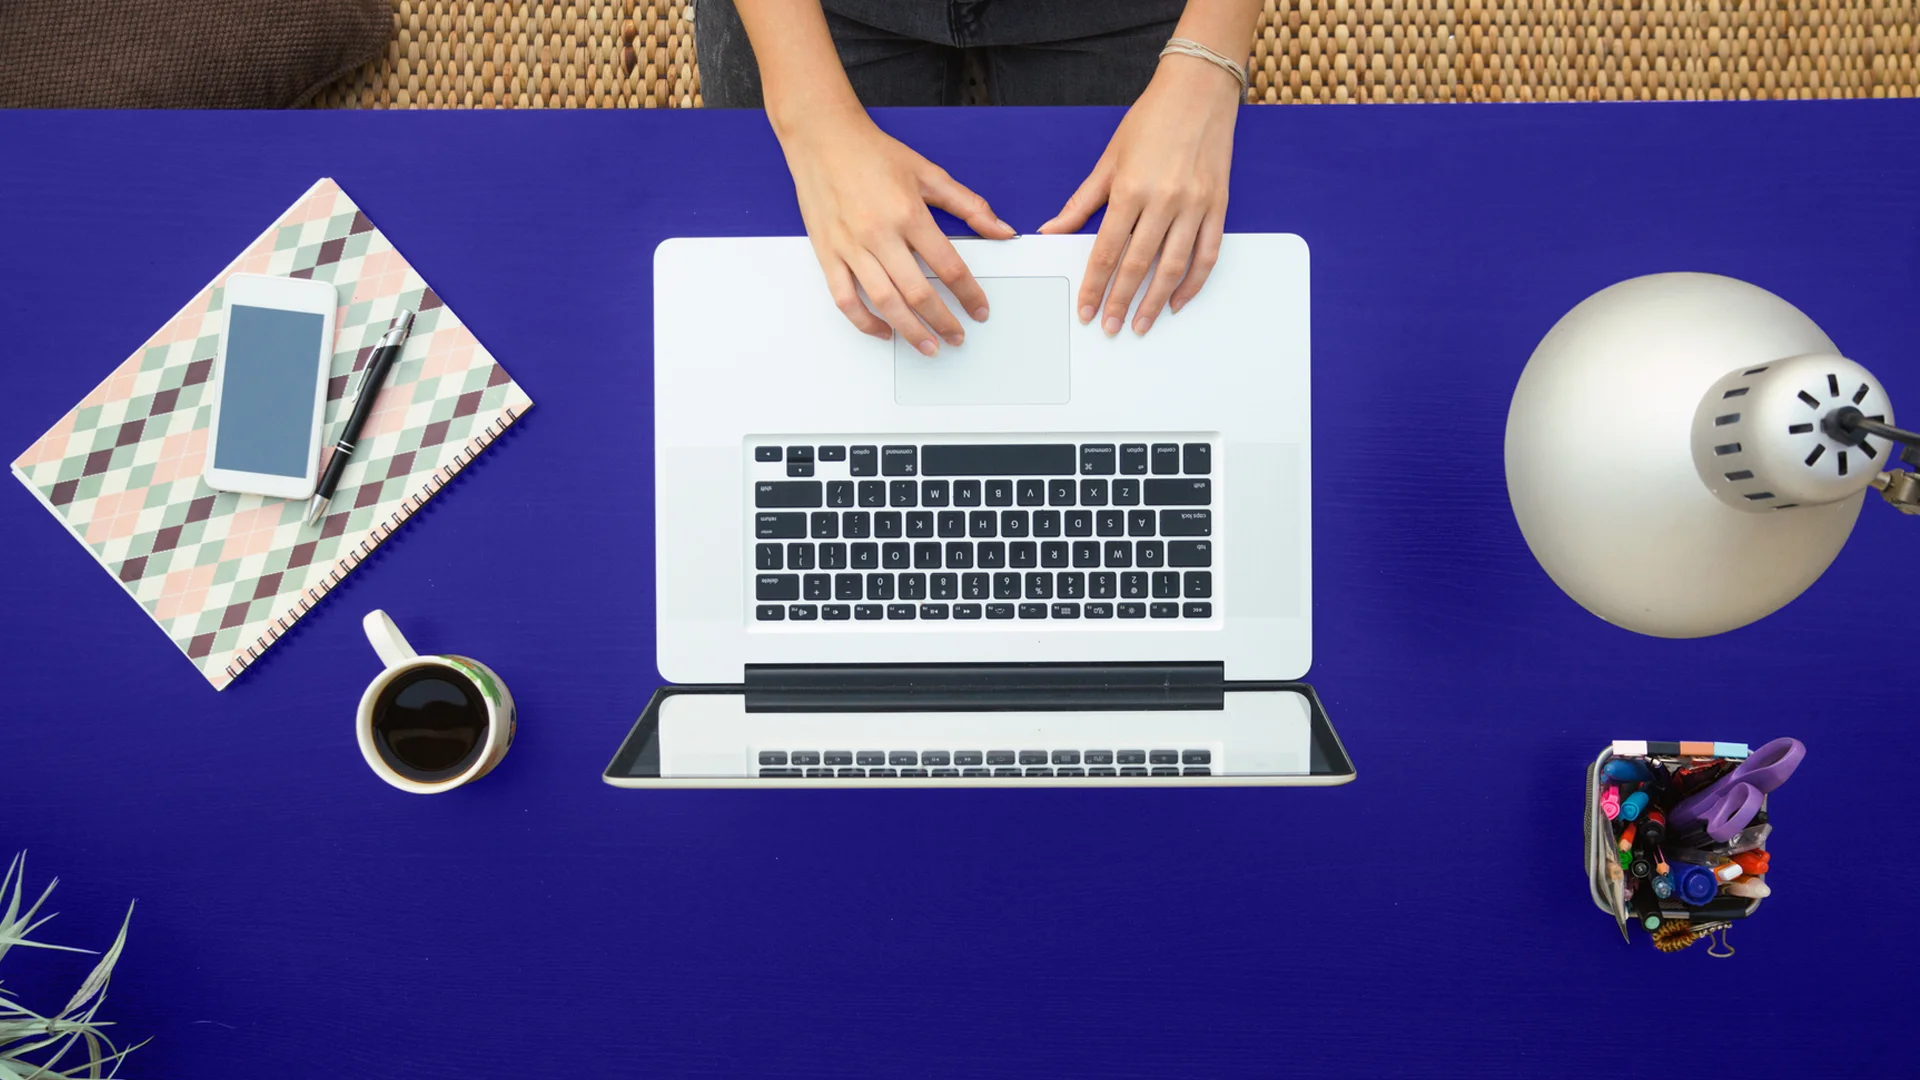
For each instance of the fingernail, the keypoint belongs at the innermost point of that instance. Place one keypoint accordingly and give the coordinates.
(1141, 325)
(1112, 325)
(1004, 227)
(958, 337)
(1086, 314)
(980, 314)
(1177, 305)
(928, 348)
(1047, 224)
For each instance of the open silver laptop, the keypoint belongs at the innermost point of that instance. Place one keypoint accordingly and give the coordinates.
(1045, 556)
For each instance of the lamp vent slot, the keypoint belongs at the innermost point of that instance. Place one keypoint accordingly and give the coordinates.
(1743, 474)
(1786, 506)
(1738, 391)
(1723, 421)
(1753, 371)
(1860, 395)
(1726, 448)
(1867, 449)
(1833, 385)
(1760, 496)
(1818, 449)
(1812, 402)
(1799, 429)
(1843, 462)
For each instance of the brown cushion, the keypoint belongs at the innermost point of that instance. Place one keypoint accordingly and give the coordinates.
(196, 54)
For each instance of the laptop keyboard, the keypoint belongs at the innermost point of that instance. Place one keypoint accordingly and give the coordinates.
(821, 764)
(1107, 530)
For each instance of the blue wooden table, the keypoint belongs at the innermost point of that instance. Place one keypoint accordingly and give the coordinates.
(297, 918)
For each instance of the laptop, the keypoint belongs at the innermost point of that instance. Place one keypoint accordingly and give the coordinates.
(1043, 557)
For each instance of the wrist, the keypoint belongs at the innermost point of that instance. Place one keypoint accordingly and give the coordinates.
(797, 118)
(1199, 78)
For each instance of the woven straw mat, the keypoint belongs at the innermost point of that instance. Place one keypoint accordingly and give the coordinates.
(639, 54)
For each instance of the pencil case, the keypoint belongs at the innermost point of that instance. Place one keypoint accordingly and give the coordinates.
(1669, 920)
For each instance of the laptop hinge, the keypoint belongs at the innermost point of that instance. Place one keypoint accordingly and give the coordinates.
(976, 687)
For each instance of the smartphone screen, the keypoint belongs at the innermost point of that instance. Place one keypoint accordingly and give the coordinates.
(266, 395)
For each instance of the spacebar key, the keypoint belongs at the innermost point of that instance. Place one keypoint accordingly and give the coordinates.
(1013, 459)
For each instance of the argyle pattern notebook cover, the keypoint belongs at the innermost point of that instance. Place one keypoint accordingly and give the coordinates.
(226, 575)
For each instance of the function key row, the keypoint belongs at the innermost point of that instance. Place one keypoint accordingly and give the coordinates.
(1001, 459)
(842, 494)
(979, 524)
(985, 757)
(999, 611)
(1003, 585)
(824, 772)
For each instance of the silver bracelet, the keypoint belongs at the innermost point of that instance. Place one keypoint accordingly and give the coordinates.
(1188, 47)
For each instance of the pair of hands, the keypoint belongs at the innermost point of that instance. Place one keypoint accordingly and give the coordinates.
(1163, 178)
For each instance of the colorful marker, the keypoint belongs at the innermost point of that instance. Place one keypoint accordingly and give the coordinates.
(1695, 885)
(1653, 828)
(1624, 769)
(1631, 806)
(1610, 802)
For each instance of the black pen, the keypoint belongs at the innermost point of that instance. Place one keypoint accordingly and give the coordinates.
(385, 352)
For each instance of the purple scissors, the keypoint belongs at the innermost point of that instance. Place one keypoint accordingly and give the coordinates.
(1728, 804)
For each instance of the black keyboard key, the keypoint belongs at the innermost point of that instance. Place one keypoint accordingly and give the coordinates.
(1196, 458)
(1198, 585)
(870, 757)
(960, 555)
(1013, 523)
(1133, 458)
(1070, 585)
(935, 757)
(1166, 458)
(1046, 523)
(1180, 492)
(799, 556)
(819, 773)
(919, 523)
(1054, 554)
(966, 493)
(966, 611)
(1138, 770)
(1066, 611)
(1134, 586)
(836, 612)
(1119, 554)
(1093, 493)
(1126, 493)
(1164, 610)
(824, 525)
(1190, 553)
(1079, 523)
(799, 468)
(817, 587)
(999, 493)
(1031, 459)
(1086, 553)
(852, 772)
(1186, 523)
(789, 494)
(975, 772)
(1139, 523)
(873, 493)
(913, 772)
(770, 612)
(1099, 757)
(895, 555)
(776, 587)
(1033, 757)
(1132, 611)
(1196, 757)
(767, 557)
(879, 586)
(1098, 610)
(866, 612)
(1197, 609)
(1061, 492)
(1149, 553)
(946, 772)
(899, 461)
(779, 526)
(900, 611)
(1039, 586)
(903, 757)
(856, 524)
(776, 757)
(967, 757)
(833, 556)
(913, 586)
(799, 453)
(1025, 553)
(983, 523)
(999, 611)
(990, 554)
(1006, 586)
(975, 586)
(833, 453)
(1132, 757)
(1040, 772)
(1103, 772)
(1069, 772)
(1196, 772)
(933, 493)
(1110, 523)
(778, 773)
(896, 772)
(951, 523)
(926, 555)
(1097, 459)
(837, 757)
(1033, 611)
(866, 556)
(887, 523)
(936, 612)
(840, 493)
(767, 453)
(1166, 585)
(803, 612)
(1066, 757)
(903, 493)
(1166, 771)
(1163, 757)
(1100, 586)
(1030, 493)
(1000, 757)
(945, 586)
(863, 461)
(1007, 772)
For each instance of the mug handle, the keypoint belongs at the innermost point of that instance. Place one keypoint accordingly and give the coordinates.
(386, 639)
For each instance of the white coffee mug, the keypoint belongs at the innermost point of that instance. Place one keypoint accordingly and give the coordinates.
(401, 659)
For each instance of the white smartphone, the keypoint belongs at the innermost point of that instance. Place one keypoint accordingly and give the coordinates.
(270, 386)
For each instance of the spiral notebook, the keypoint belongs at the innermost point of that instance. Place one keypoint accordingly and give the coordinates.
(227, 575)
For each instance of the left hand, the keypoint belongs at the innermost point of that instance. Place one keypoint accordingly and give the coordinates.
(1163, 180)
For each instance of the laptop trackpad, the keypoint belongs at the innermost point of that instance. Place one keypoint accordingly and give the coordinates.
(1017, 357)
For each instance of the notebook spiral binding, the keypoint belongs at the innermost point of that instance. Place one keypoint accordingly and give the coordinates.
(380, 534)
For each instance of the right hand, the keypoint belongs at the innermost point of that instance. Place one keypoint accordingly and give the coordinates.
(864, 197)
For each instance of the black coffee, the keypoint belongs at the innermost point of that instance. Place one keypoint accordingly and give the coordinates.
(430, 724)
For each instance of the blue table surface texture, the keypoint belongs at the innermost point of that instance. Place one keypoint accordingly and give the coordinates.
(298, 918)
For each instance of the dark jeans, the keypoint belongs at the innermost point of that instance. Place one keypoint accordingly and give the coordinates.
(916, 52)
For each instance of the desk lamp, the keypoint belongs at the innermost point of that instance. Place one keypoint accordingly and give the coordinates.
(1686, 453)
